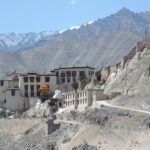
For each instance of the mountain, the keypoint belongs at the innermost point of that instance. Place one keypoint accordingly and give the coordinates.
(99, 43)
(122, 20)
(12, 41)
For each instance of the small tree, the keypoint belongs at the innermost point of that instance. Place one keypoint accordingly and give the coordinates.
(75, 86)
(84, 80)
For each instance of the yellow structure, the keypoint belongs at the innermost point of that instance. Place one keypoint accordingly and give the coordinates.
(44, 88)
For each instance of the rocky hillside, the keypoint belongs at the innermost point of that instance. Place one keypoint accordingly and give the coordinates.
(133, 81)
(98, 43)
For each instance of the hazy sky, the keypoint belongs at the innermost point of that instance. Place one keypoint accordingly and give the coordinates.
(51, 15)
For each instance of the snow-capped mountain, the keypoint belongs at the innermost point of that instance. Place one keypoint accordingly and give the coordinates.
(102, 42)
(13, 41)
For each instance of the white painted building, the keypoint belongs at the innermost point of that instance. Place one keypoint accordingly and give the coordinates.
(65, 76)
(15, 100)
(11, 97)
(29, 83)
(85, 98)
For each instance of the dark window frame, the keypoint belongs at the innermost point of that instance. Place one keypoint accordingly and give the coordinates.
(63, 80)
(32, 87)
(74, 73)
(68, 73)
(47, 79)
(26, 94)
(38, 79)
(74, 79)
(2, 83)
(25, 79)
(13, 92)
(68, 80)
(26, 87)
(38, 90)
(31, 79)
(63, 74)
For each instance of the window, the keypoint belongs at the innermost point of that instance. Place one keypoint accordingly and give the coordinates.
(26, 87)
(47, 79)
(38, 90)
(57, 74)
(38, 79)
(38, 87)
(31, 79)
(26, 94)
(32, 87)
(68, 80)
(15, 78)
(63, 80)
(25, 79)
(32, 93)
(89, 73)
(12, 92)
(62, 74)
(68, 74)
(32, 90)
(26, 91)
(74, 79)
(74, 73)
(2, 83)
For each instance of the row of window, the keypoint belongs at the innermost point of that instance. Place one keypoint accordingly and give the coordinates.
(37, 79)
(63, 80)
(72, 96)
(71, 103)
(69, 73)
(32, 94)
(32, 87)
(73, 73)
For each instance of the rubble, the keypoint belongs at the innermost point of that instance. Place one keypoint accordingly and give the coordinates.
(84, 146)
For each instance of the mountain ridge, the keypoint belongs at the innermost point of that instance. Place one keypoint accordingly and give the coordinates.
(103, 42)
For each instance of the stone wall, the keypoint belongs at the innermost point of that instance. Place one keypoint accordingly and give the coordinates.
(105, 72)
(99, 95)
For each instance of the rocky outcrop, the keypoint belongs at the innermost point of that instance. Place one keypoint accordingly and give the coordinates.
(133, 78)
(112, 71)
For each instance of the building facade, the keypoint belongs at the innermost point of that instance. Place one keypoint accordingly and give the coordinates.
(29, 83)
(85, 98)
(65, 76)
(11, 97)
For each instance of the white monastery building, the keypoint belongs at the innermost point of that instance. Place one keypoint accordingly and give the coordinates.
(29, 83)
(70, 74)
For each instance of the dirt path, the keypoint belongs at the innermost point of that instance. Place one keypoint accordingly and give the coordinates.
(99, 103)
(68, 122)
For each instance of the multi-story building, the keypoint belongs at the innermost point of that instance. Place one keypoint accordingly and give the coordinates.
(66, 76)
(11, 97)
(29, 83)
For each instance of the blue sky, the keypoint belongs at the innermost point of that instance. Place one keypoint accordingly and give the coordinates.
(22, 16)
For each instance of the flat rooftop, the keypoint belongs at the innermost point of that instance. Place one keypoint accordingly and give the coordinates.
(74, 67)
